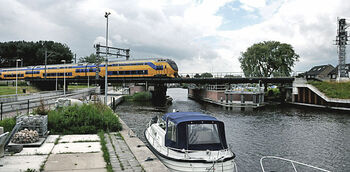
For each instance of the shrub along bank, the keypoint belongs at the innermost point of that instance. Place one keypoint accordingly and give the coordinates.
(85, 119)
(139, 97)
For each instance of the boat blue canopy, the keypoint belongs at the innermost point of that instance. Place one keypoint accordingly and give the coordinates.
(178, 117)
(194, 131)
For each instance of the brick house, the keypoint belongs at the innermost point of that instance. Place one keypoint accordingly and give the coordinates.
(319, 72)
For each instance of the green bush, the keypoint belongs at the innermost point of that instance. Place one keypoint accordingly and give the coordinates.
(85, 119)
(139, 97)
(8, 124)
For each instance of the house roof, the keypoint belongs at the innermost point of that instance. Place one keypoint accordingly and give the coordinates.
(335, 70)
(318, 69)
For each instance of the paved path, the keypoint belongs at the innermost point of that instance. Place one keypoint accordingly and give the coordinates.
(120, 155)
(59, 153)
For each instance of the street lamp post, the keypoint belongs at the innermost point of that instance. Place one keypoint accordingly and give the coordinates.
(56, 80)
(88, 73)
(64, 77)
(106, 63)
(18, 60)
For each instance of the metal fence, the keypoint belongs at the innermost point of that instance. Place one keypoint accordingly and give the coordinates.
(29, 103)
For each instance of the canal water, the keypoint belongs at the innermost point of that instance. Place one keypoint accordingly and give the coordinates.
(313, 136)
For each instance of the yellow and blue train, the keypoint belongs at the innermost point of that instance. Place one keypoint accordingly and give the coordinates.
(126, 68)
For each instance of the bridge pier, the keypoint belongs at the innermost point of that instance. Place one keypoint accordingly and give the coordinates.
(44, 85)
(159, 94)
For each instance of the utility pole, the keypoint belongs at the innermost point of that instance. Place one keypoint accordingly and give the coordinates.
(106, 63)
(45, 62)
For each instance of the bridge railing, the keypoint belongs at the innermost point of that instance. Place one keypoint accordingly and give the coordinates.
(214, 75)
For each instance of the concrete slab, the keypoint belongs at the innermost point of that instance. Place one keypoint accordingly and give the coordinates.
(22, 163)
(79, 138)
(81, 147)
(71, 162)
(44, 149)
(51, 138)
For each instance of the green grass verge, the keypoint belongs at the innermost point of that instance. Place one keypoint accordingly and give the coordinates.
(75, 87)
(85, 119)
(333, 89)
(105, 151)
(7, 90)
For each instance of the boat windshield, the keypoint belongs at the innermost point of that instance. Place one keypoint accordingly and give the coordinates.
(203, 134)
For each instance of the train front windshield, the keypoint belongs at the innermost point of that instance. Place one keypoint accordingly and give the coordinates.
(172, 64)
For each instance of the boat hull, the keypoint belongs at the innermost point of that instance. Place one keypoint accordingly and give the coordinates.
(187, 165)
(176, 166)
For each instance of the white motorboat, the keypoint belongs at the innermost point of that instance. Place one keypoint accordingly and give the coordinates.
(190, 141)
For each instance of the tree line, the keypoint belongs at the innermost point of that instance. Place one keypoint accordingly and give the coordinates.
(33, 53)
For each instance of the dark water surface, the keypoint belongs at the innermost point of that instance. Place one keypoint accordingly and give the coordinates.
(313, 136)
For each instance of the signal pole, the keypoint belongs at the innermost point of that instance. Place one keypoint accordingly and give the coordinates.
(342, 41)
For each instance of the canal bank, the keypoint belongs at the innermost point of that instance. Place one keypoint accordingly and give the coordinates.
(128, 152)
(312, 136)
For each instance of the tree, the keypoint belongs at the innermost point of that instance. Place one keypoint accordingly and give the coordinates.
(268, 58)
(206, 75)
(197, 75)
(92, 58)
(33, 53)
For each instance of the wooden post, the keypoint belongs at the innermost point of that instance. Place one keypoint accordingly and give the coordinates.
(28, 106)
(315, 99)
(309, 95)
(1, 111)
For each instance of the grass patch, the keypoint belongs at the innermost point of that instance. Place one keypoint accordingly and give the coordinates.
(105, 151)
(8, 124)
(85, 119)
(333, 89)
(7, 90)
(74, 87)
(139, 97)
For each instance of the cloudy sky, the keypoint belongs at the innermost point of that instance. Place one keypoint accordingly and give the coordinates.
(200, 35)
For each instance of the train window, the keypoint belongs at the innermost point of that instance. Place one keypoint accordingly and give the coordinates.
(133, 72)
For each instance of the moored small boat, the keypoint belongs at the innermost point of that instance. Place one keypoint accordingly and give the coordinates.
(190, 141)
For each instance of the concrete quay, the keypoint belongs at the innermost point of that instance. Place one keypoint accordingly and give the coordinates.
(83, 153)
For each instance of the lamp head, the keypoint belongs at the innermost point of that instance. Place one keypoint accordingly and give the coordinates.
(107, 14)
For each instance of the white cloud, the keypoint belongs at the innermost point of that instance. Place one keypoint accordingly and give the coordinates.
(186, 31)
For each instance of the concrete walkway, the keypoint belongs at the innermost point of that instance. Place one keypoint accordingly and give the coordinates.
(59, 153)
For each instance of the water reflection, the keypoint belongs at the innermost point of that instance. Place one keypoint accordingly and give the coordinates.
(313, 136)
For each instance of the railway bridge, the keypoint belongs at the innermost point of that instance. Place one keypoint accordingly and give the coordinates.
(160, 83)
